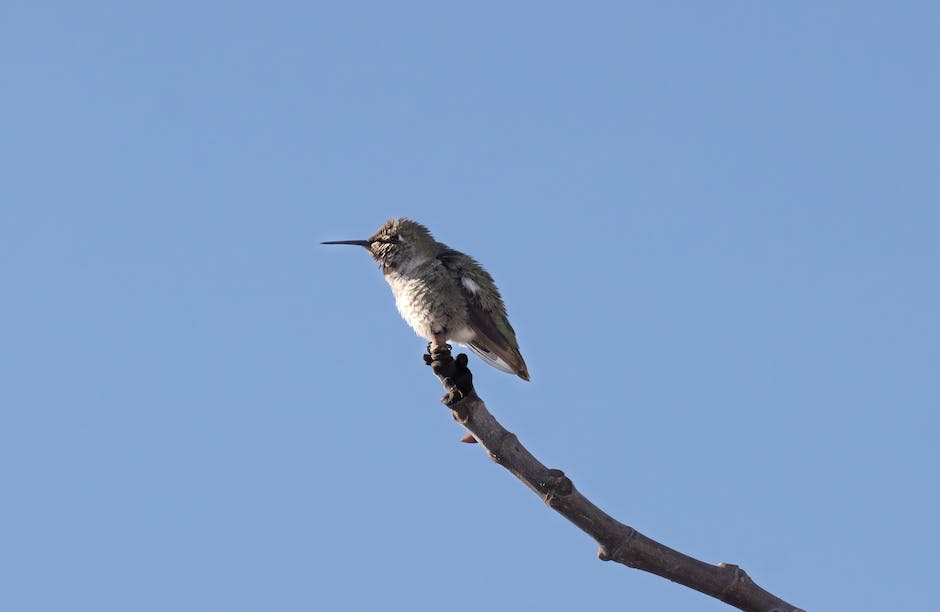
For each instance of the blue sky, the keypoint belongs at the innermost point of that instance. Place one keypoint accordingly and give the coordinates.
(715, 226)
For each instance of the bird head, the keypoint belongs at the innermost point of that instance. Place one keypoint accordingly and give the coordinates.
(396, 243)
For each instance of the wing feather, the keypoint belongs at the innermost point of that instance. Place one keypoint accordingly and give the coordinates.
(495, 340)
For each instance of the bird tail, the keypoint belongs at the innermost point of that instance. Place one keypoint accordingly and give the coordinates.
(505, 358)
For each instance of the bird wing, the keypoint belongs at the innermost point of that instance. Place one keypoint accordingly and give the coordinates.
(493, 359)
(495, 340)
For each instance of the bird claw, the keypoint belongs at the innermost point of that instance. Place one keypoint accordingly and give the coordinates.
(433, 347)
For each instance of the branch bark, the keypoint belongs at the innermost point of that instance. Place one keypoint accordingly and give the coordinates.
(616, 541)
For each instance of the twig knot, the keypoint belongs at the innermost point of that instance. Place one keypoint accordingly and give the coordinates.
(453, 374)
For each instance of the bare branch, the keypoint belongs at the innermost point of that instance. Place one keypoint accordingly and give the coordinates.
(616, 541)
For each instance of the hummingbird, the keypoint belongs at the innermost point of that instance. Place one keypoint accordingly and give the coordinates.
(444, 294)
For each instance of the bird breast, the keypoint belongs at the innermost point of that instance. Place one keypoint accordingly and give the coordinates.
(429, 304)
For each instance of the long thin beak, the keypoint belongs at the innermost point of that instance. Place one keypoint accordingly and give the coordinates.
(362, 243)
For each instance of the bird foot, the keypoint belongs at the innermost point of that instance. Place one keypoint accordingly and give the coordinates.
(434, 346)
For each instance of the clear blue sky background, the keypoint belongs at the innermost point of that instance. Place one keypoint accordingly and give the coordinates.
(715, 225)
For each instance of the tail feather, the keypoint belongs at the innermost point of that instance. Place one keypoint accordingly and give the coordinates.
(506, 359)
